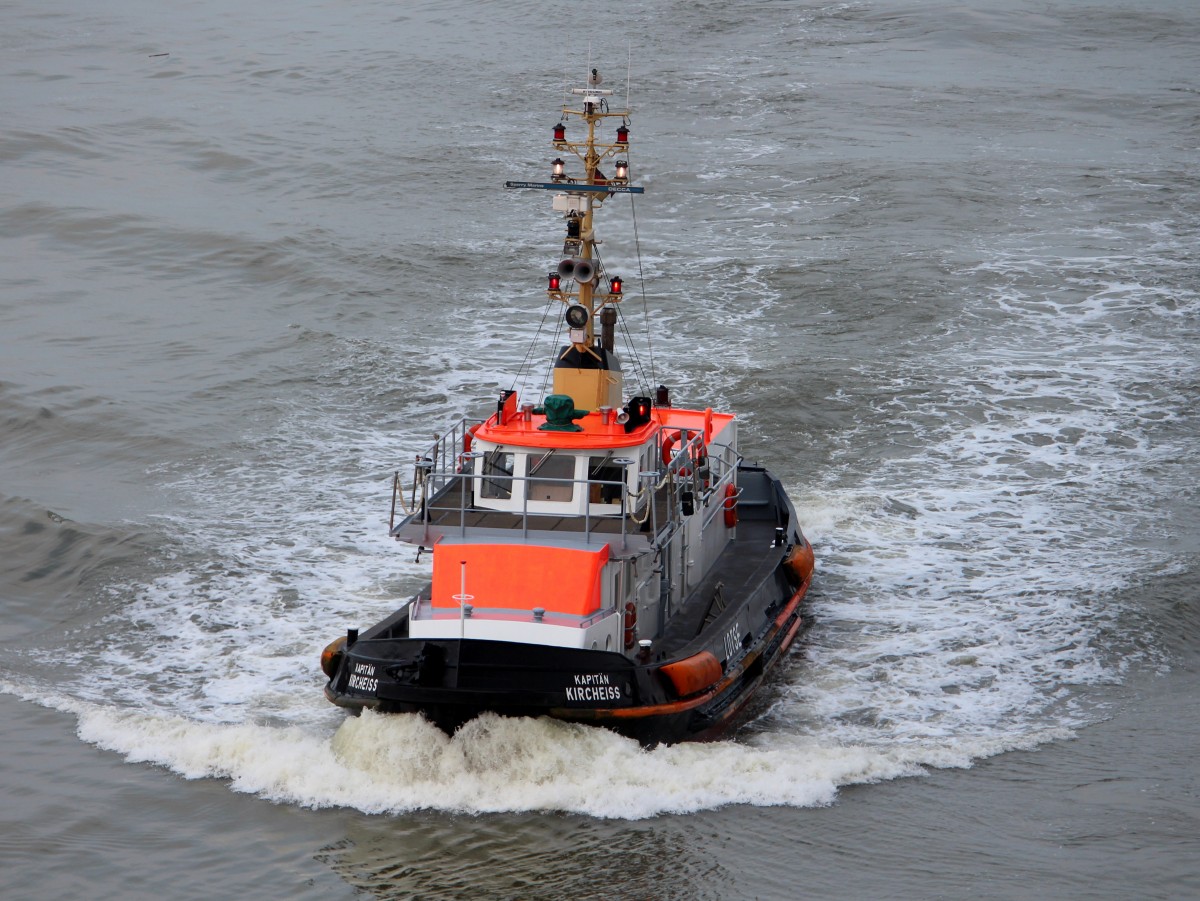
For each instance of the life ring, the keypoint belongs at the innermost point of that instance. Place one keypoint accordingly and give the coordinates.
(469, 437)
(731, 496)
(630, 624)
(467, 442)
(668, 445)
(699, 461)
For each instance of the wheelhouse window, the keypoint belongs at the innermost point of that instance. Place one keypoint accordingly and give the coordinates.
(497, 471)
(550, 477)
(610, 476)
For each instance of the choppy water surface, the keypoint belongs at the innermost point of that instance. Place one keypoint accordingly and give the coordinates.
(941, 258)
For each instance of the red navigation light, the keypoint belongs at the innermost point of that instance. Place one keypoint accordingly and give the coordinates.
(622, 134)
(553, 281)
(560, 132)
(615, 284)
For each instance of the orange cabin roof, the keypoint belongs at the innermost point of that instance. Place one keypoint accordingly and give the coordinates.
(516, 431)
(595, 433)
(519, 577)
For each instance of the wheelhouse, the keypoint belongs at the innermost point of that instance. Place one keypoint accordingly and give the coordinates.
(548, 480)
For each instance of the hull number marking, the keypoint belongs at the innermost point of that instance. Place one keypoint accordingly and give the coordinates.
(732, 642)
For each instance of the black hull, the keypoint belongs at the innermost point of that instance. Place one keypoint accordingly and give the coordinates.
(667, 699)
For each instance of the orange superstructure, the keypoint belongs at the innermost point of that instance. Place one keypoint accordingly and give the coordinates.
(505, 577)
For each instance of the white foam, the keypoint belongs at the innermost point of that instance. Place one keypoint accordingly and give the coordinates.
(971, 578)
(973, 544)
(394, 764)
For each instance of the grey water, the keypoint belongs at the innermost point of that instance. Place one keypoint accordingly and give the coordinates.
(940, 258)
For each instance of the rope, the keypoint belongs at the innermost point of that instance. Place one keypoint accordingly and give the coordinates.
(636, 496)
(398, 493)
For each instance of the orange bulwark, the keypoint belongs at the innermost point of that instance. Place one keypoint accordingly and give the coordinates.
(519, 577)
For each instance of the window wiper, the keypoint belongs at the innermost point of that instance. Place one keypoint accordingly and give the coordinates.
(492, 461)
(542, 462)
(595, 470)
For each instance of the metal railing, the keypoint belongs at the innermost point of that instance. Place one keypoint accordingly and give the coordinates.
(687, 481)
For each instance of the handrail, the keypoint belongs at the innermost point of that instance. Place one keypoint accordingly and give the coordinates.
(446, 480)
(423, 609)
(445, 467)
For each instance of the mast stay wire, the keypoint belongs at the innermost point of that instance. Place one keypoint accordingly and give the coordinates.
(526, 364)
(625, 331)
(637, 244)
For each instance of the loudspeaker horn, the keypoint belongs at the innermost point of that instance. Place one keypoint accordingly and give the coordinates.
(585, 271)
(566, 268)
(622, 418)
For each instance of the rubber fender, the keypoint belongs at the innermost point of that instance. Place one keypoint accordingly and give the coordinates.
(800, 561)
(693, 674)
(331, 657)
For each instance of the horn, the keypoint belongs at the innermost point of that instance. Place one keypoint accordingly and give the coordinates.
(622, 417)
(566, 268)
(585, 271)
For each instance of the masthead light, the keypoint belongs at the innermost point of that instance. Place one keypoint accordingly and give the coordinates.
(622, 170)
(557, 168)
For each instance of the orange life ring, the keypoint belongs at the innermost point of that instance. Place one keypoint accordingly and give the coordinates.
(630, 624)
(468, 440)
(731, 494)
(699, 461)
(668, 445)
(469, 437)
(667, 448)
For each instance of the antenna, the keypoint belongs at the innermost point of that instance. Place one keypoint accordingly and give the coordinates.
(628, 71)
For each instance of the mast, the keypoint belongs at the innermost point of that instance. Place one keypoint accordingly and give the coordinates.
(587, 369)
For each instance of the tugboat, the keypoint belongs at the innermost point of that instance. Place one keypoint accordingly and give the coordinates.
(597, 558)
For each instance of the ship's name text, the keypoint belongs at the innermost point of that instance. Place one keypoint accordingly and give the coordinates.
(593, 687)
(362, 678)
